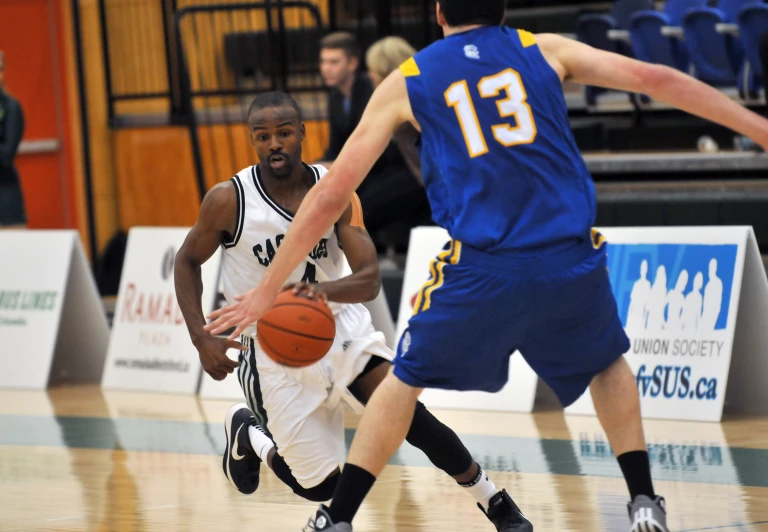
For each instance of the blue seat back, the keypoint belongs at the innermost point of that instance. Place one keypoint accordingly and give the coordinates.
(753, 24)
(732, 8)
(593, 30)
(708, 48)
(676, 9)
(648, 43)
(624, 10)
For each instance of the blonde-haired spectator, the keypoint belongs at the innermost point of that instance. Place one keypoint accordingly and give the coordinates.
(382, 58)
(386, 55)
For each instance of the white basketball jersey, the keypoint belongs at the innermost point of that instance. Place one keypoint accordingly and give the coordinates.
(261, 227)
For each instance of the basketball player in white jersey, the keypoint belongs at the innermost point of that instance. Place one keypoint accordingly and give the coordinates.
(294, 418)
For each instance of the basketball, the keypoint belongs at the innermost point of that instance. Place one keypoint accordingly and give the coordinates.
(297, 331)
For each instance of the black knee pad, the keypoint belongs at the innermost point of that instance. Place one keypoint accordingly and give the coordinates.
(320, 493)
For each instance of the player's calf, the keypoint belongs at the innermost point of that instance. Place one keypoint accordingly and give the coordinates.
(446, 451)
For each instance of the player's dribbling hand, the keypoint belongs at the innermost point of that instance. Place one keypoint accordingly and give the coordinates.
(250, 307)
(213, 356)
(312, 291)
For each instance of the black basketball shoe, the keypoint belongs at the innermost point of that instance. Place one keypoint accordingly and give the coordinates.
(505, 515)
(241, 463)
(322, 521)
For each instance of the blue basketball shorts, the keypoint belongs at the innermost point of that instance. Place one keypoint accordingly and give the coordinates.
(477, 309)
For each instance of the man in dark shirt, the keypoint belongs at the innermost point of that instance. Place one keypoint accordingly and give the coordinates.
(11, 128)
(350, 89)
(390, 192)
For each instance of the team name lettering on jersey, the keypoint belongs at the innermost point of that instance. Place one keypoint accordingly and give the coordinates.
(266, 253)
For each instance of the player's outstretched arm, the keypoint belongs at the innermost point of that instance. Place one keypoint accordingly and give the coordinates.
(217, 215)
(325, 203)
(583, 64)
(365, 281)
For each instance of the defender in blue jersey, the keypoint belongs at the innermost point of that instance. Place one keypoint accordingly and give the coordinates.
(524, 270)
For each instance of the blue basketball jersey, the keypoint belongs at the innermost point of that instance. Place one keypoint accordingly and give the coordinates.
(500, 164)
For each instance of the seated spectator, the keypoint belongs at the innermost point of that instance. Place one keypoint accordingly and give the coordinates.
(391, 194)
(12, 213)
(383, 57)
(350, 90)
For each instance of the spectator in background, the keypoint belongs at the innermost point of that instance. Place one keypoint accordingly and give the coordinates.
(11, 128)
(382, 58)
(350, 90)
(391, 195)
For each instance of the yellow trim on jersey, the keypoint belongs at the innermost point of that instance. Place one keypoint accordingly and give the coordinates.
(409, 68)
(597, 239)
(526, 38)
(451, 256)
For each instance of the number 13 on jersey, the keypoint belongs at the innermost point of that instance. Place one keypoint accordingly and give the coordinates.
(524, 130)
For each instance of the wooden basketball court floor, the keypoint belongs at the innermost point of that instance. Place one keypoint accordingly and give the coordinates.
(83, 459)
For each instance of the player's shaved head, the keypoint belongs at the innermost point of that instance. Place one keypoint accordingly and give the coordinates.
(273, 99)
(464, 12)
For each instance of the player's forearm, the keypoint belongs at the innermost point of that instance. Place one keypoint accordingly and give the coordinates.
(188, 281)
(360, 287)
(690, 95)
(319, 210)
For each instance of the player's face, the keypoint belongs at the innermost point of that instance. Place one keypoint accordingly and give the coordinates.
(336, 66)
(276, 133)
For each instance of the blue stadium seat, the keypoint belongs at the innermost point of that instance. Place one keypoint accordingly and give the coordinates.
(708, 48)
(676, 9)
(718, 58)
(648, 42)
(593, 30)
(623, 11)
(753, 23)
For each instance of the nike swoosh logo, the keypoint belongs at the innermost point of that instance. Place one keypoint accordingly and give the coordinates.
(235, 454)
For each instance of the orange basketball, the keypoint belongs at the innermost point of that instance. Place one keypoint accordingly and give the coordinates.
(297, 331)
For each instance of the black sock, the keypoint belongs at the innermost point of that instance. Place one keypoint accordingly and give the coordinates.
(636, 467)
(353, 486)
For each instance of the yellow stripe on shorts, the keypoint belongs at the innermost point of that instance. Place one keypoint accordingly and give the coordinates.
(597, 239)
(450, 256)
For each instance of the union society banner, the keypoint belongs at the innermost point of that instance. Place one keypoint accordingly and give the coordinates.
(677, 292)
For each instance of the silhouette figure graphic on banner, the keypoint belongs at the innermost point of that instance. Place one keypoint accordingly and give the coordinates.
(676, 302)
(693, 304)
(657, 301)
(637, 315)
(713, 299)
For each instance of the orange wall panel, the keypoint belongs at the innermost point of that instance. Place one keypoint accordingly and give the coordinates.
(30, 36)
(156, 178)
(44, 190)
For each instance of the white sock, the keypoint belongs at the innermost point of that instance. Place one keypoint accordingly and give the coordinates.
(260, 443)
(481, 488)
